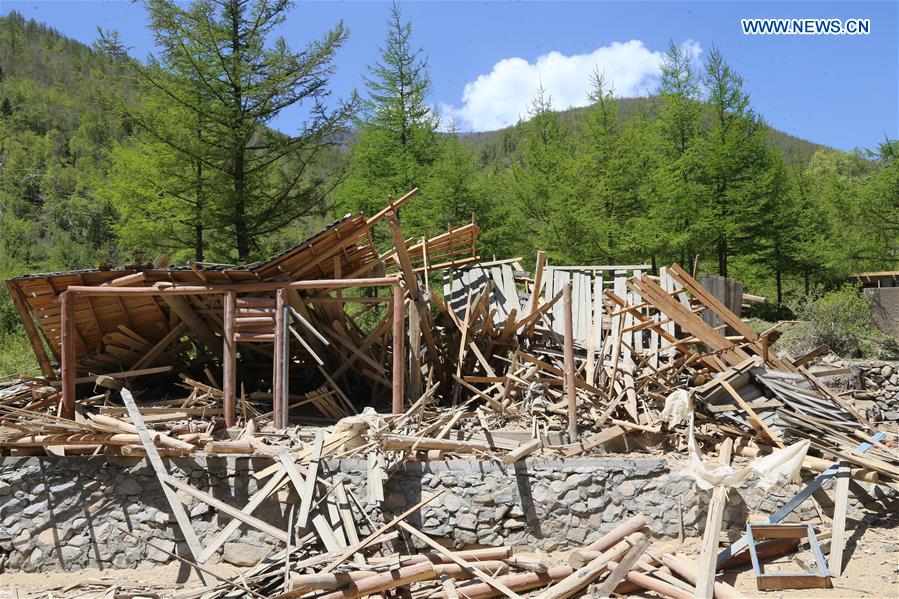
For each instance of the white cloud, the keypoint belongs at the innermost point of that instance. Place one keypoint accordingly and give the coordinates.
(499, 98)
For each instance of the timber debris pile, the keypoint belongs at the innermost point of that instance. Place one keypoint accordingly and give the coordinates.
(424, 353)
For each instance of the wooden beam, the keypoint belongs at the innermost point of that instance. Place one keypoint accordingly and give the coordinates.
(705, 584)
(837, 539)
(67, 352)
(194, 322)
(229, 360)
(181, 517)
(31, 330)
(538, 281)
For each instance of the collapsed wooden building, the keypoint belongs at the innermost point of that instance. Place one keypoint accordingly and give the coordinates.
(282, 359)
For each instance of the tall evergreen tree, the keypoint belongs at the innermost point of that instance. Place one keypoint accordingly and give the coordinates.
(736, 167)
(221, 62)
(397, 129)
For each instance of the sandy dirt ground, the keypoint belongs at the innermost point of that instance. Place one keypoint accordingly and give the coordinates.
(871, 572)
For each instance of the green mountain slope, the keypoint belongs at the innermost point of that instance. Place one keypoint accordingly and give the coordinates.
(490, 143)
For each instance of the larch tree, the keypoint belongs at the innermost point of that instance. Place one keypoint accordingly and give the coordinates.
(397, 129)
(222, 62)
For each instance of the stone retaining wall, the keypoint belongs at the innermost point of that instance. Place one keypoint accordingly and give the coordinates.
(72, 513)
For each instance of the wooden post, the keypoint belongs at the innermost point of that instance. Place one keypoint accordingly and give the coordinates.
(538, 281)
(570, 390)
(837, 539)
(279, 360)
(705, 585)
(229, 362)
(67, 353)
(398, 354)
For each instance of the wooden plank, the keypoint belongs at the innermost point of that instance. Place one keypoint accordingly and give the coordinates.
(837, 539)
(311, 480)
(621, 569)
(34, 336)
(230, 510)
(705, 584)
(162, 475)
(255, 500)
(352, 550)
(754, 418)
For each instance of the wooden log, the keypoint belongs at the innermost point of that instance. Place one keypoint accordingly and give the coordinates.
(522, 452)
(629, 526)
(239, 446)
(384, 581)
(486, 578)
(570, 391)
(403, 442)
(323, 582)
(67, 354)
(538, 282)
(657, 586)
(705, 581)
(517, 582)
(158, 438)
(229, 360)
(279, 365)
(399, 363)
(72, 439)
(169, 290)
(687, 569)
(590, 572)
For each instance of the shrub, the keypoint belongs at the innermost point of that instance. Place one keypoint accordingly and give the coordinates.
(841, 319)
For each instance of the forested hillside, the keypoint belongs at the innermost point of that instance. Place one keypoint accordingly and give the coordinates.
(102, 156)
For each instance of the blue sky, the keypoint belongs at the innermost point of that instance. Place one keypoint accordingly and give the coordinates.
(486, 57)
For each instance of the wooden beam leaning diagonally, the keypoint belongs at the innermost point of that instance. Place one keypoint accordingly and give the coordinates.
(31, 330)
(195, 323)
(732, 320)
(687, 320)
(181, 517)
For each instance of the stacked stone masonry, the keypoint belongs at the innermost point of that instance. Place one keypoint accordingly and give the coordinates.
(72, 513)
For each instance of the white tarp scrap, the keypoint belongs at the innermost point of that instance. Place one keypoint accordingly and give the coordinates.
(678, 408)
(784, 462)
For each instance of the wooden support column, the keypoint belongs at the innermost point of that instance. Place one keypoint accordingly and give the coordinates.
(398, 354)
(705, 585)
(570, 391)
(279, 362)
(229, 362)
(67, 353)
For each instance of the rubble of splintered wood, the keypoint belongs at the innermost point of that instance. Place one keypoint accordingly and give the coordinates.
(334, 350)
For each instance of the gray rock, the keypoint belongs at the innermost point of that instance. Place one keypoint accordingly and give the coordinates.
(129, 486)
(467, 522)
(243, 554)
